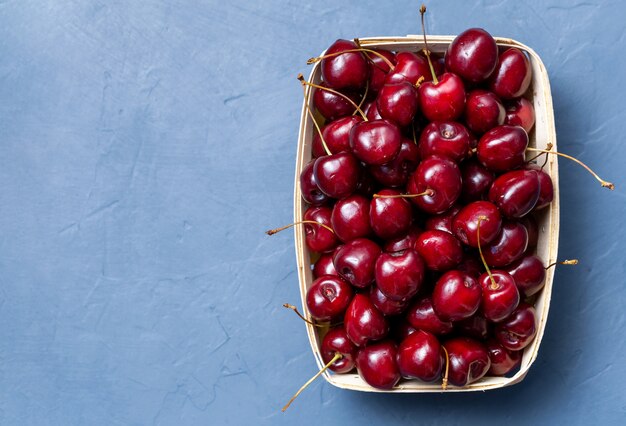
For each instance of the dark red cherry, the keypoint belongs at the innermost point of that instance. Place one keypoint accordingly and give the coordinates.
(533, 230)
(508, 246)
(529, 274)
(328, 297)
(333, 106)
(375, 142)
(390, 217)
(483, 111)
(512, 75)
(519, 329)
(396, 173)
(440, 250)
(516, 192)
(324, 266)
(456, 296)
(472, 55)
(379, 68)
(503, 361)
(442, 101)
(422, 316)
(336, 135)
(337, 175)
(346, 71)
(350, 218)
(336, 341)
(471, 265)
(477, 180)
(500, 296)
(520, 112)
(503, 148)
(401, 330)
(371, 111)
(318, 238)
(308, 187)
(377, 365)
(367, 185)
(399, 275)
(398, 102)
(445, 138)
(403, 242)
(443, 221)
(546, 188)
(442, 177)
(469, 361)
(465, 223)
(409, 67)
(476, 327)
(363, 322)
(385, 304)
(420, 357)
(355, 261)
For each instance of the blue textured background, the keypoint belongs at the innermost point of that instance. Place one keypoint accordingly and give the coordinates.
(146, 145)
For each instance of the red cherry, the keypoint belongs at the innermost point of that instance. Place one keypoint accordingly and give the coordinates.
(529, 274)
(309, 189)
(337, 175)
(533, 230)
(324, 266)
(515, 193)
(371, 111)
(336, 341)
(350, 218)
(477, 180)
(476, 327)
(503, 360)
(420, 357)
(546, 188)
(379, 68)
(396, 173)
(328, 297)
(385, 304)
(363, 322)
(336, 135)
(375, 142)
(442, 101)
(345, 71)
(445, 138)
(377, 365)
(456, 296)
(500, 296)
(519, 329)
(472, 55)
(390, 217)
(503, 148)
(512, 75)
(318, 238)
(520, 112)
(398, 103)
(440, 250)
(355, 261)
(469, 360)
(465, 223)
(508, 246)
(443, 221)
(442, 177)
(399, 275)
(331, 105)
(422, 316)
(483, 111)
(403, 242)
(409, 67)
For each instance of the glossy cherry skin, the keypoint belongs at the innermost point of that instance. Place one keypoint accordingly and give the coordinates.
(483, 111)
(508, 246)
(440, 175)
(375, 142)
(443, 221)
(331, 105)
(519, 329)
(472, 55)
(520, 112)
(324, 266)
(529, 274)
(311, 193)
(377, 366)
(336, 135)
(500, 297)
(328, 297)
(337, 175)
(399, 275)
(350, 218)
(420, 357)
(355, 261)
(512, 75)
(390, 217)
(379, 68)
(533, 230)
(444, 101)
(503, 361)
(371, 111)
(445, 138)
(409, 67)
(398, 102)
(476, 327)
(337, 341)
(440, 250)
(469, 361)
(385, 304)
(503, 148)
(363, 322)
(546, 188)
(465, 223)
(403, 242)
(515, 193)
(318, 238)
(456, 296)
(477, 180)
(422, 316)
(396, 173)
(346, 71)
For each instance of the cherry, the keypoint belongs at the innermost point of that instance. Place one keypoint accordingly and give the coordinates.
(440, 250)
(519, 329)
(500, 295)
(367, 185)
(336, 135)
(508, 246)
(379, 68)
(396, 173)
(401, 330)
(318, 238)
(420, 357)
(336, 341)
(473, 55)
(324, 266)
(546, 188)
(399, 275)
(443, 221)
(515, 193)
(422, 316)
(332, 105)
(385, 304)
(503, 148)
(328, 297)
(371, 111)
(350, 218)
(309, 190)
(403, 242)
(355, 261)
(465, 223)
(443, 99)
(337, 175)
(456, 296)
(533, 230)
(375, 142)
(477, 180)
(447, 139)
(441, 179)
(475, 326)
(377, 366)
(363, 322)
(390, 217)
(483, 111)
(512, 75)
(348, 70)
(398, 102)
(471, 266)
(520, 112)
(409, 67)
(529, 274)
(503, 361)
(469, 360)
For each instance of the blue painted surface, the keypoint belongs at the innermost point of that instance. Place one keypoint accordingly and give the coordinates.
(146, 146)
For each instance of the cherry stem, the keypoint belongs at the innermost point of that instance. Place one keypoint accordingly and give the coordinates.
(317, 126)
(444, 381)
(337, 357)
(548, 147)
(604, 183)
(565, 262)
(426, 50)
(360, 49)
(429, 192)
(293, 308)
(328, 89)
(413, 129)
(367, 88)
(494, 286)
(274, 231)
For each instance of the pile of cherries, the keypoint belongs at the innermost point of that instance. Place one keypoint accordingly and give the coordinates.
(421, 211)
